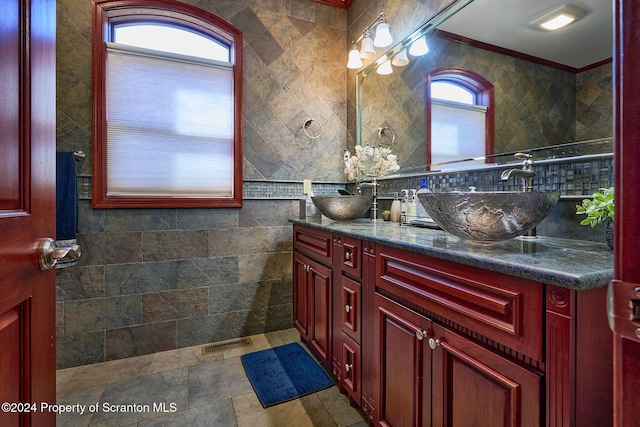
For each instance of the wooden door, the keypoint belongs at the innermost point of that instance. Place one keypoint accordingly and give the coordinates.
(475, 387)
(27, 210)
(624, 314)
(403, 362)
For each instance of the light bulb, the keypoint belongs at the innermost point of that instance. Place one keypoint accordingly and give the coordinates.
(400, 60)
(354, 59)
(384, 67)
(366, 47)
(419, 47)
(383, 35)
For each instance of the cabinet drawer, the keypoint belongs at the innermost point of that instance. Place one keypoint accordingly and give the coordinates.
(498, 309)
(313, 243)
(350, 255)
(350, 308)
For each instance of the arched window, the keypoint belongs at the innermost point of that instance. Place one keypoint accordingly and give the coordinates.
(459, 118)
(167, 106)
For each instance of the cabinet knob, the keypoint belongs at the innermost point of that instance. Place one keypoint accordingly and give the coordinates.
(433, 343)
(420, 334)
(307, 268)
(347, 367)
(347, 256)
(348, 308)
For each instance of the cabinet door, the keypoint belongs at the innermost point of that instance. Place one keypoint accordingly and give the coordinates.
(350, 308)
(320, 291)
(351, 378)
(475, 387)
(403, 366)
(301, 296)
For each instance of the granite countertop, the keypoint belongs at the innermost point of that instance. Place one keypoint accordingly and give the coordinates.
(573, 264)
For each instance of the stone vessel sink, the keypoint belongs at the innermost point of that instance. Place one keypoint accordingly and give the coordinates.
(343, 208)
(488, 216)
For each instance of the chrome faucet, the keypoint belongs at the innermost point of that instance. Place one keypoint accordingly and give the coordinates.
(526, 173)
(374, 207)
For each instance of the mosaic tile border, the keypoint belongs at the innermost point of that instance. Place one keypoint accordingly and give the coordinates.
(578, 177)
(252, 190)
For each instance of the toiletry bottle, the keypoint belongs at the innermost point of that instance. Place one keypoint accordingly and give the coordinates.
(412, 210)
(395, 208)
(424, 188)
(403, 206)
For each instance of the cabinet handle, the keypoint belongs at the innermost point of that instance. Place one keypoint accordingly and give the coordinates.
(307, 268)
(347, 256)
(433, 343)
(347, 367)
(420, 334)
(348, 308)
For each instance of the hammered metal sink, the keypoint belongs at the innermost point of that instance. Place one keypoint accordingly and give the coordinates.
(488, 216)
(343, 208)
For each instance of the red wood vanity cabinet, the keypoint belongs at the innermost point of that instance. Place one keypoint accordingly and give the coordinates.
(420, 341)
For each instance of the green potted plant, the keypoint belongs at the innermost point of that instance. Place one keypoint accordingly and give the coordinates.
(598, 210)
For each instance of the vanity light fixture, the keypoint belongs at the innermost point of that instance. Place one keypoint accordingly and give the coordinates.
(366, 47)
(419, 47)
(401, 59)
(354, 58)
(384, 66)
(558, 18)
(383, 38)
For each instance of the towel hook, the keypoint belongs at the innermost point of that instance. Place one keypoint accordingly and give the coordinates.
(382, 131)
(307, 123)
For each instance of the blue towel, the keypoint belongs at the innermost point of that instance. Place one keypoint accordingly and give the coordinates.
(66, 196)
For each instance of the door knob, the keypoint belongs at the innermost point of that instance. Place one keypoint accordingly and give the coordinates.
(434, 343)
(50, 253)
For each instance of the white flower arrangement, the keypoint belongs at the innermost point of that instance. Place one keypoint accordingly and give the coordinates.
(370, 161)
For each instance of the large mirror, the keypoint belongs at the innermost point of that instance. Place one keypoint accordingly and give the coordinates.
(550, 92)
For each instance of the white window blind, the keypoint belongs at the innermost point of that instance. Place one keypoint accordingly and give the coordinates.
(170, 125)
(457, 132)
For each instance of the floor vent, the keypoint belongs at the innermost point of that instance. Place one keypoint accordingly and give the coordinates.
(226, 345)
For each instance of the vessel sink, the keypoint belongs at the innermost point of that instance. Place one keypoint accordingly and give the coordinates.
(343, 208)
(488, 216)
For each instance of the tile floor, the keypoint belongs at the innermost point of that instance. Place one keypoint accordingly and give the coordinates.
(197, 390)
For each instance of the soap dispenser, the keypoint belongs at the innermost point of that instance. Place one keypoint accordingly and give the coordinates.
(404, 194)
(424, 188)
(394, 213)
(412, 208)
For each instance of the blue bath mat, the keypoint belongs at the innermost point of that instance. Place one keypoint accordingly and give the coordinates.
(284, 373)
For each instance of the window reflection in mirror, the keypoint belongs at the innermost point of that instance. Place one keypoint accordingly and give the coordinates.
(536, 105)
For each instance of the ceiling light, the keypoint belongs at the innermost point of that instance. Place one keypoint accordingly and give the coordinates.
(559, 17)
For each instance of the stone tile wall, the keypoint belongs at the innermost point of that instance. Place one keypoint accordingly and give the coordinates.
(157, 279)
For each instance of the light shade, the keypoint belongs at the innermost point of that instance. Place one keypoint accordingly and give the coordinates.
(384, 66)
(419, 47)
(400, 60)
(354, 59)
(366, 47)
(558, 18)
(383, 35)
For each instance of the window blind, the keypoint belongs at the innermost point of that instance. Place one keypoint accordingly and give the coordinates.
(457, 132)
(170, 126)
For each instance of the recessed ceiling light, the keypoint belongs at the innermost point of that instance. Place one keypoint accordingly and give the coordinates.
(559, 17)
